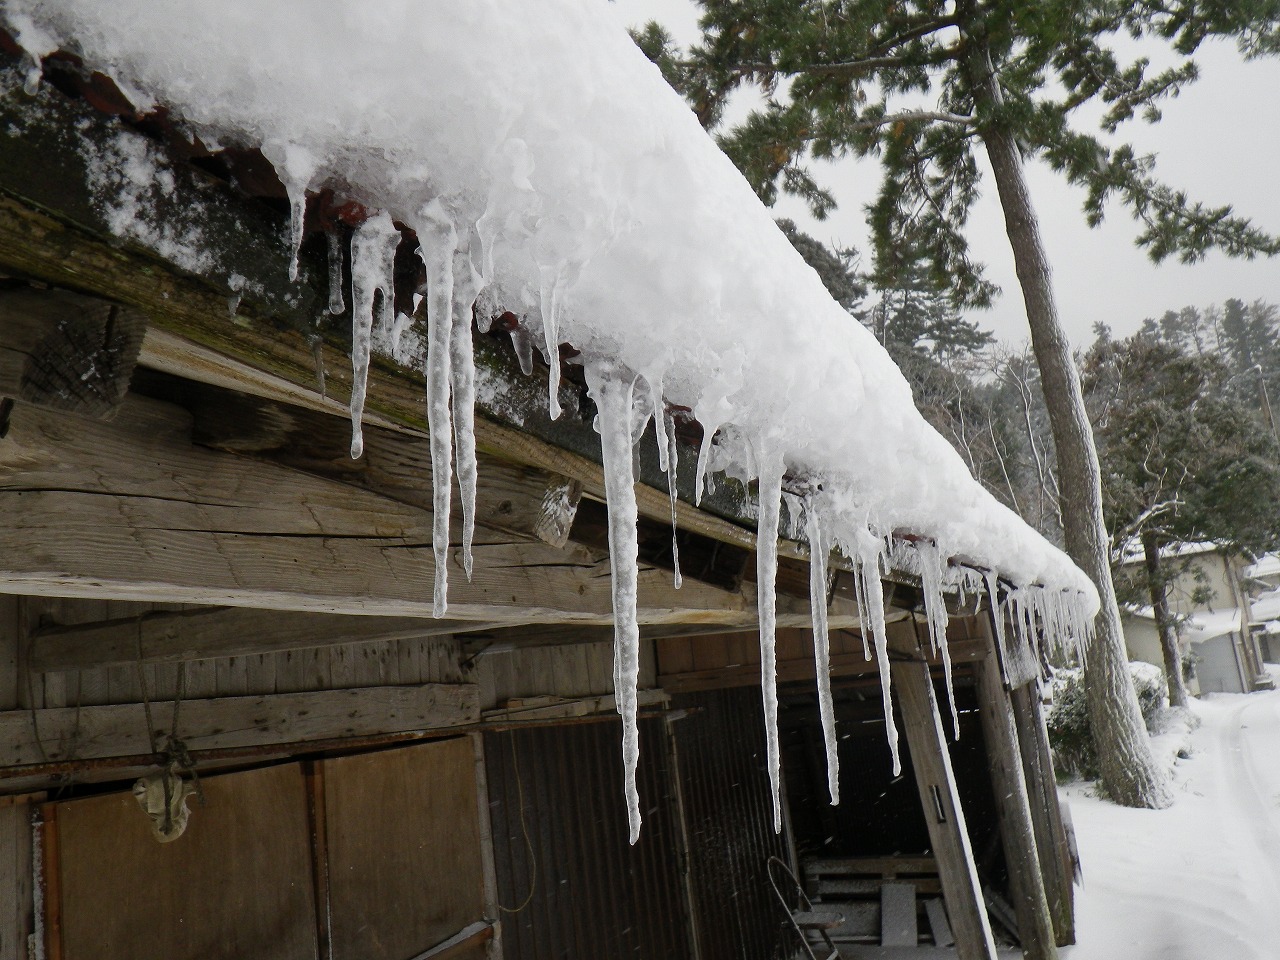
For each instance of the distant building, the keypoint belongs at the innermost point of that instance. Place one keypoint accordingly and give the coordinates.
(1212, 593)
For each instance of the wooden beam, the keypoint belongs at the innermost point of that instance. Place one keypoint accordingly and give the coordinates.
(463, 942)
(1052, 846)
(524, 501)
(66, 351)
(88, 733)
(1026, 882)
(178, 637)
(948, 835)
(131, 510)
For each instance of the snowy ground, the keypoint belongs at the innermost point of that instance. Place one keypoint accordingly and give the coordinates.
(1200, 880)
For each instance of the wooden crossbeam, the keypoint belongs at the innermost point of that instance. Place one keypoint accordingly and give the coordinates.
(525, 501)
(66, 351)
(120, 730)
(132, 510)
(178, 637)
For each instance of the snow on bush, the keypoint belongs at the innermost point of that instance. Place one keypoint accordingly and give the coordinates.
(1070, 735)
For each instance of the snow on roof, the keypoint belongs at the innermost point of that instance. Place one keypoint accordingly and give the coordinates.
(1268, 565)
(1265, 606)
(1131, 550)
(546, 138)
(543, 162)
(1205, 626)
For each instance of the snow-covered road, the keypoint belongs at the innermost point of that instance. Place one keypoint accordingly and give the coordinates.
(1201, 880)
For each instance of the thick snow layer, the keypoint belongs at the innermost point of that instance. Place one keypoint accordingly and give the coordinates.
(1202, 878)
(600, 206)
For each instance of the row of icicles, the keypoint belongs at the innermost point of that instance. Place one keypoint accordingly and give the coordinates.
(625, 402)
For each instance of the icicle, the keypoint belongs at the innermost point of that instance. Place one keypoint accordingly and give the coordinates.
(296, 167)
(522, 342)
(669, 428)
(467, 284)
(704, 452)
(822, 647)
(935, 608)
(551, 290)
(373, 249)
(611, 388)
(770, 469)
(437, 241)
(993, 593)
(869, 552)
(337, 303)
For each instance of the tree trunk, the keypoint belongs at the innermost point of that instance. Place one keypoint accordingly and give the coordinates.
(1129, 771)
(1164, 621)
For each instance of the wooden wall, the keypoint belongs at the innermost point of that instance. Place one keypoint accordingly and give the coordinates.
(378, 663)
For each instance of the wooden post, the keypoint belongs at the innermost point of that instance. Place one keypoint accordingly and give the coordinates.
(947, 832)
(1046, 813)
(1026, 881)
(66, 351)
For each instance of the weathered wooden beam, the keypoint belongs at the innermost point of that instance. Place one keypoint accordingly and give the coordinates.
(525, 501)
(88, 733)
(1052, 846)
(66, 351)
(178, 637)
(1026, 882)
(131, 510)
(948, 835)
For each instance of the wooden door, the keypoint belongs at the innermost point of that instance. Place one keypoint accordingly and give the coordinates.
(405, 868)
(236, 884)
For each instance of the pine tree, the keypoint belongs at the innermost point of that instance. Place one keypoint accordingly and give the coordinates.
(921, 85)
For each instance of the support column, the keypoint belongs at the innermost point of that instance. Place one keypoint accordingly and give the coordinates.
(1035, 929)
(1046, 812)
(947, 832)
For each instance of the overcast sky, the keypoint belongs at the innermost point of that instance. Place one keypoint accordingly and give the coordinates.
(1220, 141)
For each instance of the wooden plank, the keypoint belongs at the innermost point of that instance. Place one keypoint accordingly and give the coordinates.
(1046, 813)
(132, 510)
(67, 351)
(405, 867)
(396, 464)
(948, 835)
(16, 872)
(236, 883)
(485, 828)
(12, 633)
(898, 915)
(1026, 882)
(231, 722)
(939, 928)
(472, 935)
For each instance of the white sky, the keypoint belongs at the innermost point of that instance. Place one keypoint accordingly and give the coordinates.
(1220, 142)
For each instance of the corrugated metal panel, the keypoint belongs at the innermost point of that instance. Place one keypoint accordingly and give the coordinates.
(728, 814)
(573, 886)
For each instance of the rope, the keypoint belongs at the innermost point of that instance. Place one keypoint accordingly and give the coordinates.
(177, 759)
(528, 842)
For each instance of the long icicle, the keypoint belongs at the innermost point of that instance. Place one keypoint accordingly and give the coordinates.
(437, 241)
(462, 370)
(822, 646)
(611, 387)
(935, 608)
(373, 249)
(549, 299)
(869, 549)
(770, 469)
(670, 430)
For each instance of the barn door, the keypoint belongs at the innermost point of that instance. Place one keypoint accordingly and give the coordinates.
(236, 884)
(403, 848)
(374, 856)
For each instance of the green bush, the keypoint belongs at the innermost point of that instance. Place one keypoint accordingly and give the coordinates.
(1070, 737)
